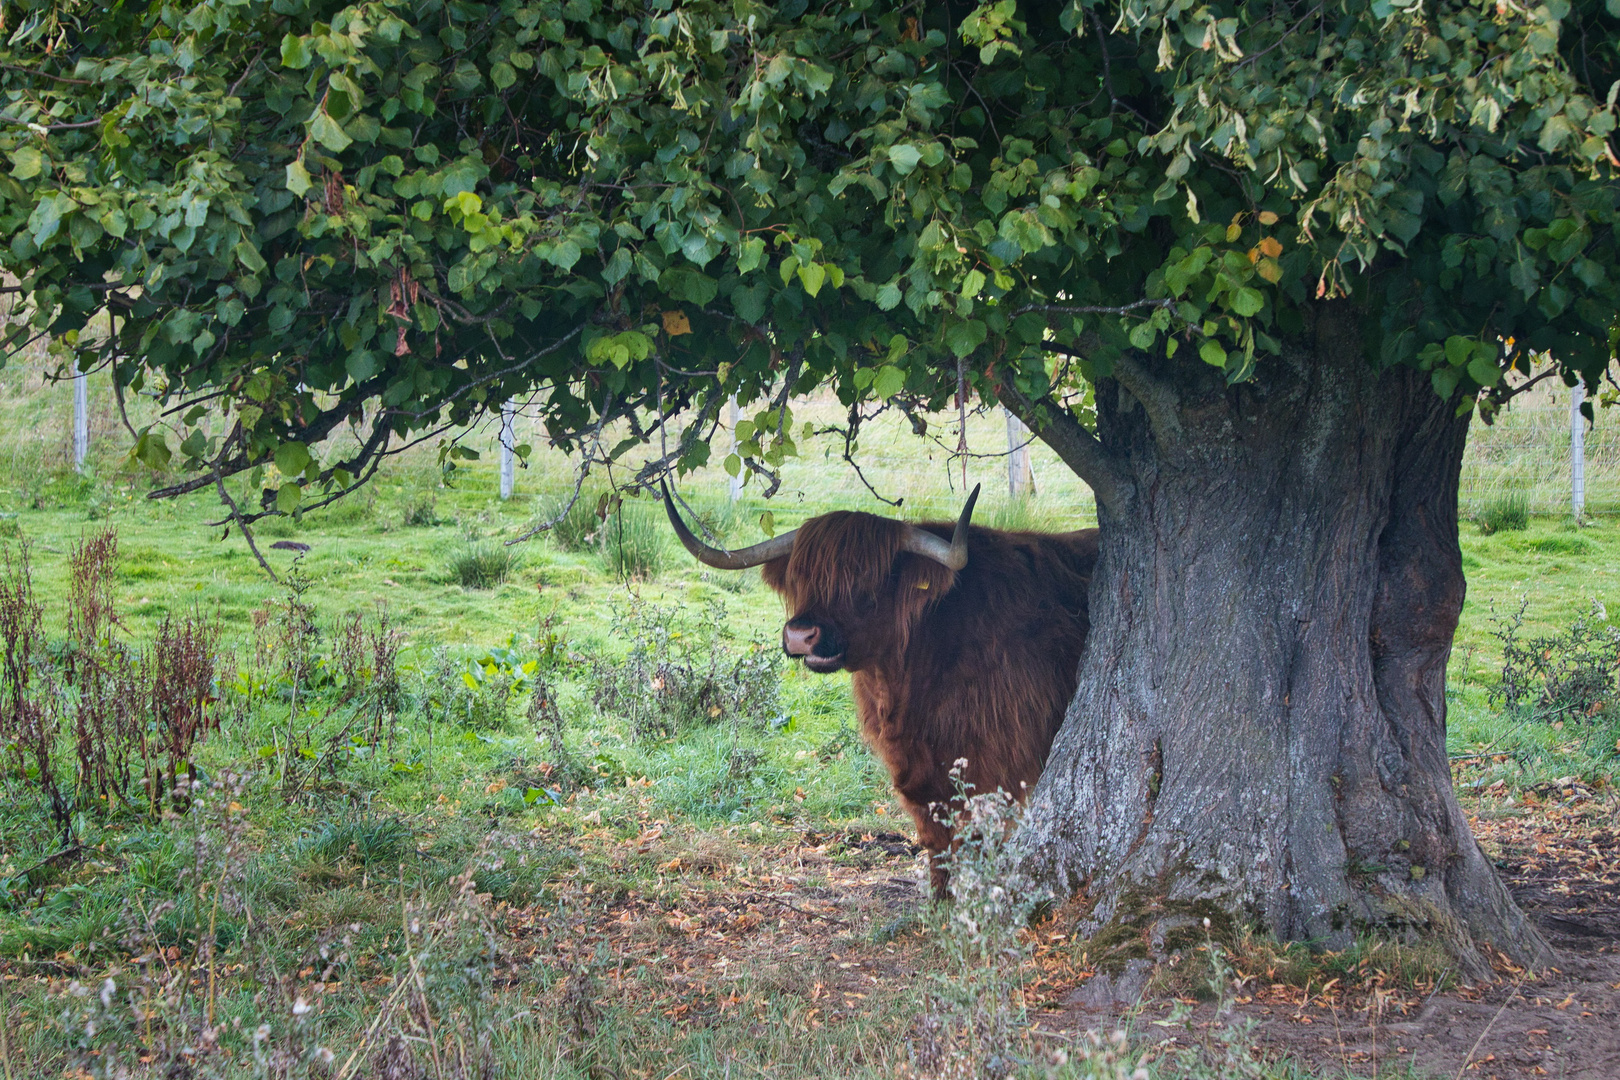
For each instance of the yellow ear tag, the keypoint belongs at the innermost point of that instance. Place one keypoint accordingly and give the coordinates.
(922, 584)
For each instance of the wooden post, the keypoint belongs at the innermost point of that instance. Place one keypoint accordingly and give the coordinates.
(508, 458)
(81, 420)
(733, 414)
(1577, 451)
(1020, 474)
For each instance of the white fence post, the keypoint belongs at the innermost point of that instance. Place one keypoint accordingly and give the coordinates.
(733, 414)
(1020, 474)
(1577, 451)
(81, 420)
(508, 458)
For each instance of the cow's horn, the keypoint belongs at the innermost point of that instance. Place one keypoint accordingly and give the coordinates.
(953, 554)
(774, 548)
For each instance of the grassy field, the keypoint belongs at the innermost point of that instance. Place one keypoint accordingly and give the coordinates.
(682, 863)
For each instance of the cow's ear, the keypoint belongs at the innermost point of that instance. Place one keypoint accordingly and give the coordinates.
(923, 579)
(774, 573)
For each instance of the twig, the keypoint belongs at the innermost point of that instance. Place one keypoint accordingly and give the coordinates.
(247, 534)
(801, 911)
(5, 1040)
(1092, 309)
(1505, 1001)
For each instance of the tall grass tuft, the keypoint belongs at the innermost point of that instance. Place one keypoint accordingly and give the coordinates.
(1506, 511)
(575, 521)
(483, 565)
(632, 539)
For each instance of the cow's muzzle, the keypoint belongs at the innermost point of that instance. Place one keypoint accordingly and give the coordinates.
(820, 647)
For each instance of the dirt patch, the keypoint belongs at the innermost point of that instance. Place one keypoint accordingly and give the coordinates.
(1563, 868)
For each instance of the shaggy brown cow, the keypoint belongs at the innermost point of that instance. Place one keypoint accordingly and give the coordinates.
(966, 647)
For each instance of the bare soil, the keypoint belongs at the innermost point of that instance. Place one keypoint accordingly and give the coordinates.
(1563, 1024)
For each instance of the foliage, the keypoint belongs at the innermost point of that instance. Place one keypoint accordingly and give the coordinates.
(683, 672)
(1570, 674)
(299, 211)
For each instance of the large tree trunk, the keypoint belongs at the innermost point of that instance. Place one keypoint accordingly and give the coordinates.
(1259, 731)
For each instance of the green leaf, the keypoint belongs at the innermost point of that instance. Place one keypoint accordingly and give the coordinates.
(291, 458)
(904, 157)
(767, 521)
(749, 254)
(297, 177)
(811, 276)
(1247, 301)
(295, 52)
(887, 382)
(249, 256)
(328, 133)
(27, 162)
(1211, 352)
(964, 337)
(1482, 368)
(288, 496)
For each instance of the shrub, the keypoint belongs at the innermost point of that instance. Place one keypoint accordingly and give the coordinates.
(1575, 672)
(483, 565)
(684, 672)
(1506, 511)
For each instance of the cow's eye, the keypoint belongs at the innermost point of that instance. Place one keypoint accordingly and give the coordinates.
(865, 603)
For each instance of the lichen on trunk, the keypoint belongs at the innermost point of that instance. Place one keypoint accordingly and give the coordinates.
(1259, 726)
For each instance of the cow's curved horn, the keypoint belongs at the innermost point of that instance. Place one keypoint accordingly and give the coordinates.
(774, 548)
(954, 554)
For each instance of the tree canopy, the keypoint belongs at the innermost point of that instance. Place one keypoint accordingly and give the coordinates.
(301, 213)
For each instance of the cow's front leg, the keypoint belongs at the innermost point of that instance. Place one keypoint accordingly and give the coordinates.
(935, 836)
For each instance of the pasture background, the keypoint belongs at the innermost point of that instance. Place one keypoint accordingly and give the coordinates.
(663, 825)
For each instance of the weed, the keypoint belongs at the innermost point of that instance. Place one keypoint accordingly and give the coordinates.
(684, 672)
(178, 676)
(1570, 674)
(28, 701)
(1507, 511)
(972, 1019)
(483, 565)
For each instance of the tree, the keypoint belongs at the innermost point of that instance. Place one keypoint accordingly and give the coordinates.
(1286, 249)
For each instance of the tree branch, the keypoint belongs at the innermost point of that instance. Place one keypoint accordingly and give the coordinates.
(1078, 448)
(1092, 309)
(1158, 398)
(241, 525)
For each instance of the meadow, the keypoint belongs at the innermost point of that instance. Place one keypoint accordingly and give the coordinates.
(455, 808)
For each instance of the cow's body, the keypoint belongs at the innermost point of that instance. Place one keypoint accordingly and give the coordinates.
(976, 664)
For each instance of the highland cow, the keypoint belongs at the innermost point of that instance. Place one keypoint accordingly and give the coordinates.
(962, 643)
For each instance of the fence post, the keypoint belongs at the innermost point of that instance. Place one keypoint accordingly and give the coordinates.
(508, 458)
(733, 414)
(81, 420)
(1577, 450)
(1020, 473)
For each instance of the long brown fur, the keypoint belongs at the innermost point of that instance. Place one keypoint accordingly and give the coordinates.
(977, 664)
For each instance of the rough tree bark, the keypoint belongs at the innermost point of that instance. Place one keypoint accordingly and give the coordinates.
(1258, 735)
